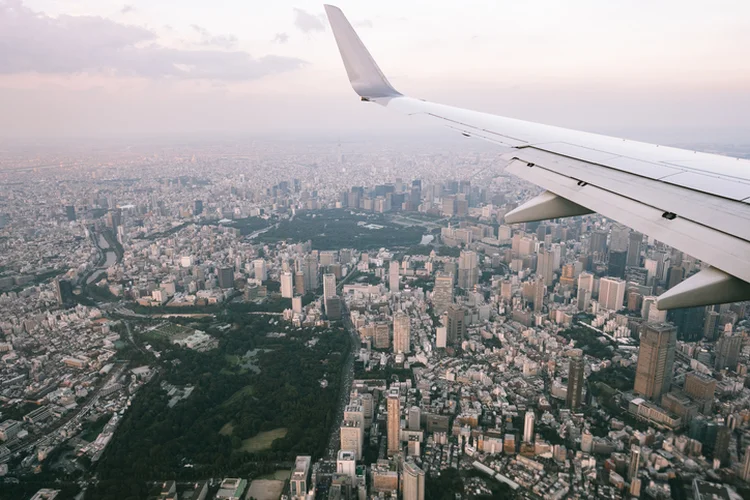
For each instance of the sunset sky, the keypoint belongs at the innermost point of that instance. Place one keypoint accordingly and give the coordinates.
(667, 71)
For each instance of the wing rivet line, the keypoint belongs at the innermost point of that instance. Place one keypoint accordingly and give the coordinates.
(669, 215)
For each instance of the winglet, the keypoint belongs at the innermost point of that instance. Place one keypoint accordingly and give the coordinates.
(364, 74)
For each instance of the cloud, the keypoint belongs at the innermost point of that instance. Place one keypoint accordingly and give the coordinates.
(32, 42)
(126, 9)
(281, 38)
(308, 23)
(224, 41)
(364, 23)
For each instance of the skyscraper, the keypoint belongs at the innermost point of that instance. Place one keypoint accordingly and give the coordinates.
(329, 285)
(539, 289)
(454, 319)
(701, 388)
(393, 278)
(675, 275)
(528, 427)
(287, 285)
(727, 351)
(611, 293)
(745, 473)
(468, 269)
(634, 249)
(299, 283)
(226, 277)
(198, 207)
(442, 294)
(64, 292)
(70, 213)
(413, 482)
(260, 269)
(382, 335)
(394, 422)
(401, 333)
(616, 263)
(575, 382)
(352, 437)
(635, 462)
(310, 268)
(545, 265)
(598, 245)
(653, 375)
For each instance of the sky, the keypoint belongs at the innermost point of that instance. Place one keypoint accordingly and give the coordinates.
(668, 71)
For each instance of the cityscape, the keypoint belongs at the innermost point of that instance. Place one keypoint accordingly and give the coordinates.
(346, 320)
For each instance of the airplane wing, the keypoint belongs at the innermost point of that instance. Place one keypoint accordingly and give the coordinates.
(696, 202)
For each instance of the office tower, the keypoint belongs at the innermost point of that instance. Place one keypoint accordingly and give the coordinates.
(300, 476)
(382, 335)
(394, 421)
(328, 258)
(197, 207)
(352, 437)
(635, 488)
(441, 337)
(611, 293)
(618, 240)
(333, 307)
(468, 269)
(297, 304)
(545, 265)
(710, 325)
(449, 206)
(393, 278)
(635, 301)
(575, 382)
(721, 447)
(413, 482)
(415, 418)
(506, 289)
(299, 283)
(64, 292)
(634, 249)
(260, 269)
(701, 388)
(616, 263)
(745, 473)
(539, 289)
(587, 441)
(727, 351)
(598, 245)
(346, 463)
(585, 290)
(675, 275)
(528, 427)
(454, 321)
(70, 213)
(226, 277)
(329, 286)
(653, 375)
(401, 333)
(442, 294)
(287, 285)
(635, 462)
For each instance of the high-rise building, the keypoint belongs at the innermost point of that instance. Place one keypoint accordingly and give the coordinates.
(394, 421)
(299, 283)
(329, 285)
(449, 206)
(701, 388)
(545, 265)
(413, 482)
(346, 463)
(310, 269)
(197, 207)
(333, 307)
(618, 240)
(401, 333)
(70, 213)
(287, 285)
(727, 351)
(415, 417)
(298, 482)
(539, 289)
(675, 275)
(721, 447)
(352, 437)
(653, 375)
(611, 293)
(528, 427)
(393, 277)
(745, 473)
(64, 292)
(635, 462)
(226, 277)
(710, 325)
(454, 321)
(441, 337)
(382, 335)
(634, 249)
(598, 245)
(442, 294)
(575, 382)
(616, 263)
(468, 269)
(261, 273)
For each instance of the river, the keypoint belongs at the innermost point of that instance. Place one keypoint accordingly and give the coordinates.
(110, 258)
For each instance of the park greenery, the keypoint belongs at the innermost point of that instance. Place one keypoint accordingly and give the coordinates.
(588, 341)
(239, 400)
(334, 229)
